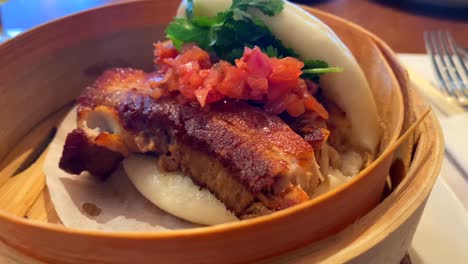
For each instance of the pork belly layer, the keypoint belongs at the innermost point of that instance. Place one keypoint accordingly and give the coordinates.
(252, 161)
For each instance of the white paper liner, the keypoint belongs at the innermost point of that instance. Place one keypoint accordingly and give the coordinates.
(121, 206)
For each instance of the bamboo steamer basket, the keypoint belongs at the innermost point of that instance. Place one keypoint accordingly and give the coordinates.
(43, 70)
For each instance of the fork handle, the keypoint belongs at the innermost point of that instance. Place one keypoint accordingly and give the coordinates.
(434, 96)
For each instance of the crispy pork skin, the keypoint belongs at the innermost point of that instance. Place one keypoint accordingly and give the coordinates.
(246, 157)
(80, 152)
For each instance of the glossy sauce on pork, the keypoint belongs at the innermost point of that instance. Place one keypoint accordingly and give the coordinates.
(245, 156)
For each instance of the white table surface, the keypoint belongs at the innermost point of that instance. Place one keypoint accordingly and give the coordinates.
(442, 234)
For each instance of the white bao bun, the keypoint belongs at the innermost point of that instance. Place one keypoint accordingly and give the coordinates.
(175, 193)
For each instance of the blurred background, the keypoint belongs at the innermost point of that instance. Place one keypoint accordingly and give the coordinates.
(400, 23)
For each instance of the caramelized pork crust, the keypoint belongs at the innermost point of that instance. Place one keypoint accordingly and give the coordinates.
(272, 163)
(255, 146)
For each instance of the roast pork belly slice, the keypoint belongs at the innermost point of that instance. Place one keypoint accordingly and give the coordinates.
(246, 157)
(80, 152)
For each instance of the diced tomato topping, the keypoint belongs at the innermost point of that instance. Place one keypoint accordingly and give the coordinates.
(256, 63)
(274, 82)
(164, 50)
(190, 78)
(312, 104)
(258, 86)
(294, 105)
(194, 53)
(285, 70)
(277, 91)
(207, 93)
(233, 84)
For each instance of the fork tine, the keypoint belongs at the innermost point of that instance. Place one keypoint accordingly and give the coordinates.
(431, 48)
(456, 51)
(451, 68)
(443, 66)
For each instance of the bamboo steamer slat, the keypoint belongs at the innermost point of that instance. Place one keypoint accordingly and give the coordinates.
(42, 75)
(31, 145)
(38, 210)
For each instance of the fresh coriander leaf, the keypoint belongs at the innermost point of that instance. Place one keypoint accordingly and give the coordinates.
(182, 31)
(314, 73)
(323, 70)
(177, 43)
(238, 14)
(230, 30)
(312, 64)
(224, 15)
(203, 21)
(259, 22)
(271, 51)
(234, 54)
(189, 9)
(268, 7)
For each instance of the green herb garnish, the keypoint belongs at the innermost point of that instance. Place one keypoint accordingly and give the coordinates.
(230, 31)
(312, 69)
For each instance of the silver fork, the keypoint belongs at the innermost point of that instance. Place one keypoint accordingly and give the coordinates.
(449, 65)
